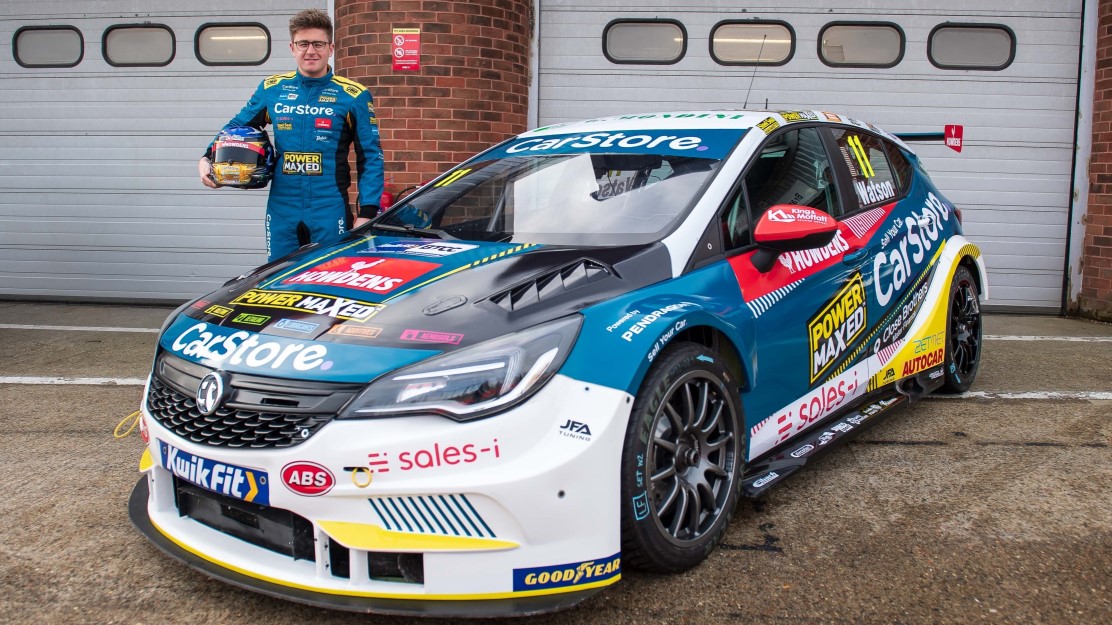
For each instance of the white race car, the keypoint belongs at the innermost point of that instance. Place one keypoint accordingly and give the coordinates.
(569, 354)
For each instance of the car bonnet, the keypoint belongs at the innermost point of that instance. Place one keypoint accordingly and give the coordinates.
(360, 308)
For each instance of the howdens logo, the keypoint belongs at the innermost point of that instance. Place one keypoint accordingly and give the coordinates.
(563, 575)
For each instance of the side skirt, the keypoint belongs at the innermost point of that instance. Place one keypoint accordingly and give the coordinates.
(767, 470)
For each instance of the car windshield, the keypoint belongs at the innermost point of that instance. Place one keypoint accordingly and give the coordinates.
(556, 193)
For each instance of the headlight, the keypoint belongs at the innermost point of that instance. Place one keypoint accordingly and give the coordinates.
(472, 382)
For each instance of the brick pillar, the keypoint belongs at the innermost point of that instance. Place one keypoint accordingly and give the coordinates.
(1095, 297)
(470, 92)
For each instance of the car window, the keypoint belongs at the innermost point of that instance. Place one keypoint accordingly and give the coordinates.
(793, 168)
(600, 189)
(865, 161)
(901, 166)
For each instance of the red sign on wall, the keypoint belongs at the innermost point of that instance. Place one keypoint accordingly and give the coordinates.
(954, 136)
(406, 49)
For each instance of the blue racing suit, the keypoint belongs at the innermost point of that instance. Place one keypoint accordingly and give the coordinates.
(316, 120)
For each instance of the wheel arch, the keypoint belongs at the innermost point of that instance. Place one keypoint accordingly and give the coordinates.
(970, 258)
(720, 343)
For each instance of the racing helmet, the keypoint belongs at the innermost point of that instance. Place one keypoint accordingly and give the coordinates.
(242, 157)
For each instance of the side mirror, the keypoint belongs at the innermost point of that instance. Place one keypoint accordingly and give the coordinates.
(790, 228)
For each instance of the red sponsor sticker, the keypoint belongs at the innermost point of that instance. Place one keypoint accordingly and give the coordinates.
(323, 122)
(307, 478)
(376, 275)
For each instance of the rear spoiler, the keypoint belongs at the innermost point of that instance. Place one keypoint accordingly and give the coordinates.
(952, 136)
(920, 136)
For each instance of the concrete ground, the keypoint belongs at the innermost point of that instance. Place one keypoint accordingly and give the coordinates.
(991, 508)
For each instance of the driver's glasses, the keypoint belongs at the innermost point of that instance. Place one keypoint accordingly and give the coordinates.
(304, 45)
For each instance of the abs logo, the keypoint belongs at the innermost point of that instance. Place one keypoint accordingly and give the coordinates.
(302, 164)
(307, 478)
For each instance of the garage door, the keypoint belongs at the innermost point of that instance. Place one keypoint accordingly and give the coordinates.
(103, 116)
(1012, 178)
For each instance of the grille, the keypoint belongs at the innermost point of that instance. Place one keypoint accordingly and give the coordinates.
(275, 529)
(259, 413)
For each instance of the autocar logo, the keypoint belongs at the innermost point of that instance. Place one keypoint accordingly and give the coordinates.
(210, 393)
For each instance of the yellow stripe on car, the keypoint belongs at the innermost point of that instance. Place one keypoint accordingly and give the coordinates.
(374, 538)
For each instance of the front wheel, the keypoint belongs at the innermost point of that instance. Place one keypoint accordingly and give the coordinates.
(682, 461)
(963, 333)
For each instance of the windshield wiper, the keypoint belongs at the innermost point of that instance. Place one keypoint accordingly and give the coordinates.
(413, 230)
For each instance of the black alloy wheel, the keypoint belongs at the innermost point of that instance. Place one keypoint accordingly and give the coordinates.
(681, 467)
(963, 333)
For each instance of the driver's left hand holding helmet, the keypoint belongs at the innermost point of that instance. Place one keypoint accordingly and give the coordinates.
(242, 157)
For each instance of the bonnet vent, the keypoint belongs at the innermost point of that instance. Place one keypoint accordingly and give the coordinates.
(551, 283)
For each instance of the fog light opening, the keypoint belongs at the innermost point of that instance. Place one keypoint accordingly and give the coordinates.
(396, 567)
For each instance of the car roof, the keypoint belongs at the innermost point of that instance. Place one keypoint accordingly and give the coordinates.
(704, 119)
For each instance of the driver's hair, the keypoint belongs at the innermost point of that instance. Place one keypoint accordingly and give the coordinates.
(310, 18)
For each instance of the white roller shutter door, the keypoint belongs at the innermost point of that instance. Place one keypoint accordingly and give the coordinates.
(1012, 179)
(99, 196)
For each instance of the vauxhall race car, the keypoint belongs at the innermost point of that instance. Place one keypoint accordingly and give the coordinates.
(571, 354)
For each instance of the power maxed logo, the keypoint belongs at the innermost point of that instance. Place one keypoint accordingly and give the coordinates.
(833, 330)
(564, 575)
(302, 164)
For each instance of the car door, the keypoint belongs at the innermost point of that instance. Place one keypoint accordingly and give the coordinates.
(884, 225)
(808, 310)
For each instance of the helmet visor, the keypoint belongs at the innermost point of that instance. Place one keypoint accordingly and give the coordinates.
(237, 152)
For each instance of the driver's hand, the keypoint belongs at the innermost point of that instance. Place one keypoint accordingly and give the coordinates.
(359, 221)
(204, 168)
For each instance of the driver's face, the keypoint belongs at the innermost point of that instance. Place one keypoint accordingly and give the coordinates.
(311, 62)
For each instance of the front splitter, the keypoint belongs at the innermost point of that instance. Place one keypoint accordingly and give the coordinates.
(478, 608)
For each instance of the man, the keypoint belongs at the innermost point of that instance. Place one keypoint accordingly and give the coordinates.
(317, 117)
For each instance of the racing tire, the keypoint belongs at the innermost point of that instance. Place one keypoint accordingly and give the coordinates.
(681, 461)
(963, 334)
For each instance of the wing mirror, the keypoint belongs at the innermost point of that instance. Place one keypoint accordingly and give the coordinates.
(790, 228)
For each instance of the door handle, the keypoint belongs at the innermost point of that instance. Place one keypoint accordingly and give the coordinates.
(854, 257)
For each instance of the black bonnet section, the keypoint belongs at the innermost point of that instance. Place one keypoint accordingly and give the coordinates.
(554, 282)
(551, 284)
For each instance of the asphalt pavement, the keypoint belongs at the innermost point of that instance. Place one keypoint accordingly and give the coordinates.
(994, 507)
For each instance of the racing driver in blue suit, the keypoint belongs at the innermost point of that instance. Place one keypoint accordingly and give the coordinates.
(317, 117)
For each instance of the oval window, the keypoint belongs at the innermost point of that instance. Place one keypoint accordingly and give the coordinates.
(861, 44)
(657, 42)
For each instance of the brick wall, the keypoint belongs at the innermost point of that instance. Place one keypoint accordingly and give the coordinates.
(1095, 296)
(471, 90)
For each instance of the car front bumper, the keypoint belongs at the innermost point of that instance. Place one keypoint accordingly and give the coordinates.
(514, 514)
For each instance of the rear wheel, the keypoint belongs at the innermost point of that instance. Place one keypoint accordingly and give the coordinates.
(963, 333)
(681, 464)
